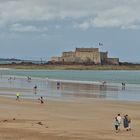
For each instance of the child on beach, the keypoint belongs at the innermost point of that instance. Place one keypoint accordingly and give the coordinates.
(17, 95)
(41, 100)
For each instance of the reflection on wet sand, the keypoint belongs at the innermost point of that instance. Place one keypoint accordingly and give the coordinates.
(87, 90)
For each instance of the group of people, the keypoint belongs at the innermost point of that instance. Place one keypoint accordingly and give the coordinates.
(126, 122)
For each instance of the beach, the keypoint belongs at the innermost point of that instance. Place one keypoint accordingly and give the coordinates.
(79, 119)
(80, 107)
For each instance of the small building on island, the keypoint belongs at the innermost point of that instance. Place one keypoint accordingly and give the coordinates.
(85, 56)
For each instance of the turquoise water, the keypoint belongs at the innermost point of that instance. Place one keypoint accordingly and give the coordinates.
(130, 77)
(73, 84)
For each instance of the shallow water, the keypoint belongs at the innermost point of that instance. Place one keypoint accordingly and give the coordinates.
(69, 88)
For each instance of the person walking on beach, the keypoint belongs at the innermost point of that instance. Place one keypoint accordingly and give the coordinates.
(35, 89)
(17, 96)
(123, 86)
(129, 122)
(116, 123)
(119, 118)
(125, 123)
(58, 85)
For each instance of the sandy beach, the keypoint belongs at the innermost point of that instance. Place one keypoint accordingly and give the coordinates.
(80, 119)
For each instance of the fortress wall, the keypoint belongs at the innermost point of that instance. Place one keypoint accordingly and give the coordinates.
(103, 55)
(68, 57)
(114, 61)
(88, 57)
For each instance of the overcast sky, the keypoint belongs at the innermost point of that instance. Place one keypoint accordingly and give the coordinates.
(35, 29)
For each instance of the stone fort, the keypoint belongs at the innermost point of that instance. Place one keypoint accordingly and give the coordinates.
(85, 55)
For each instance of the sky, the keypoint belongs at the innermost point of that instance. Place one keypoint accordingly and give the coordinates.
(41, 29)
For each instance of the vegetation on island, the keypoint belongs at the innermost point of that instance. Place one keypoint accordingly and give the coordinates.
(121, 66)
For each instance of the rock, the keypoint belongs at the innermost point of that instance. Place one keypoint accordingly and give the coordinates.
(40, 123)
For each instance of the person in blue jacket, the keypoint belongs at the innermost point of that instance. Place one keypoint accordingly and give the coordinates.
(125, 123)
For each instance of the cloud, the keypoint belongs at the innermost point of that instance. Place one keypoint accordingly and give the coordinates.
(86, 13)
(26, 28)
(134, 27)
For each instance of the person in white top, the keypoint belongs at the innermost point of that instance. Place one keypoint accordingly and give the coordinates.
(119, 118)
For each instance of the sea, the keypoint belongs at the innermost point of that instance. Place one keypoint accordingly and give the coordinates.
(71, 84)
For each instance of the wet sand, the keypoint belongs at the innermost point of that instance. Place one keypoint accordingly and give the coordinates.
(80, 119)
